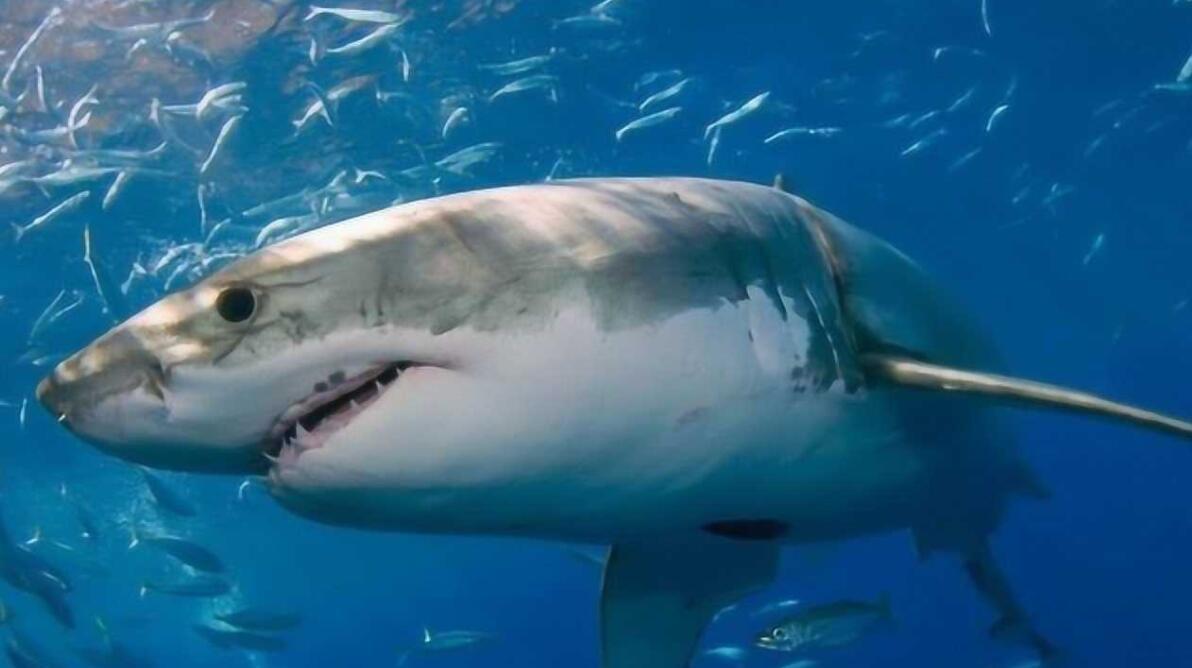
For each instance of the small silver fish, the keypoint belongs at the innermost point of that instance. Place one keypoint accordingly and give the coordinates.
(1185, 74)
(53, 313)
(1094, 249)
(187, 552)
(534, 82)
(656, 118)
(964, 159)
(457, 117)
(802, 132)
(68, 205)
(654, 76)
(90, 262)
(831, 625)
(285, 227)
(72, 121)
(72, 174)
(464, 159)
(225, 133)
(519, 66)
(405, 66)
(116, 189)
(212, 99)
(51, 19)
(359, 15)
(588, 22)
(924, 143)
(665, 94)
(737, 114)
(156, 31)
(994, 116)
(452, 640)
(714, 145)
(374, 38)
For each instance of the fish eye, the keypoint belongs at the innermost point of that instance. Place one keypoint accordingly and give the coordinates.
(236, 304)
(779, 634)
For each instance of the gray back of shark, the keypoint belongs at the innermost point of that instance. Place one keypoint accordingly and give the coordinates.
(694, 371)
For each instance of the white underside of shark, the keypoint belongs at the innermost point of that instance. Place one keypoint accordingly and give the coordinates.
(696, 372)
(685, 421)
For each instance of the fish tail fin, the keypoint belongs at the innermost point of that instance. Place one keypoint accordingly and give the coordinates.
(20, 232)
(426, 638)
(36, 537)
(134, 537)
(143, 590)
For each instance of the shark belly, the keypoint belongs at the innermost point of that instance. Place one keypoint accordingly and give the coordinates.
(707, 416)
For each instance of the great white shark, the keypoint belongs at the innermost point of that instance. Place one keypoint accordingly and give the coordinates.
(695, 372)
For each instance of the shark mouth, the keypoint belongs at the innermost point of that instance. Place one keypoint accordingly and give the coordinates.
(308, 424)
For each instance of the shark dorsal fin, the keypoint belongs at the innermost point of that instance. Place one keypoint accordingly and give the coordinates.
(922, 375)
(426, 635)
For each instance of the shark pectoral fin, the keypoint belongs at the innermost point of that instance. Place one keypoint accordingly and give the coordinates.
(657, 597)
(922, 375)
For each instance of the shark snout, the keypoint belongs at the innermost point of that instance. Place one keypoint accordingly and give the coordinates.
(112, 367)
(50, 395)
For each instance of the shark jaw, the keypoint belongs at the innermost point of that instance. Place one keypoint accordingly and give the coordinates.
(335, 403)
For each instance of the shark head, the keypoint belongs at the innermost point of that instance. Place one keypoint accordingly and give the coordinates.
(259, 362)
(334, 363)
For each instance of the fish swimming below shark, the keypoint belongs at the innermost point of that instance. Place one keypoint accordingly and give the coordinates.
(695, 372)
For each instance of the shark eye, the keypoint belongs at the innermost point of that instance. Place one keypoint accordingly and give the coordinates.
(236, 304)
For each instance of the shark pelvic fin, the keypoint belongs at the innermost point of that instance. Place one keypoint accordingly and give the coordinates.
(925, 376)
(657, 597)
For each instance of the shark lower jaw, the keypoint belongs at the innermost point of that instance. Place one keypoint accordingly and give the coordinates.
(309, 423)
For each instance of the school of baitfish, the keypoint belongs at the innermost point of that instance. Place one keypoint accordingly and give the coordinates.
(198, 125)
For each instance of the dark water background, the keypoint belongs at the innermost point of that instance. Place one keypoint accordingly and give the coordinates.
(1087, 147)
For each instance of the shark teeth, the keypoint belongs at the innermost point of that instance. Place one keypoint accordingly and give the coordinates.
(307, 424)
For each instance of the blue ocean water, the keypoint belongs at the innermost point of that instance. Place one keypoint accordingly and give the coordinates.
(1035, 156)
